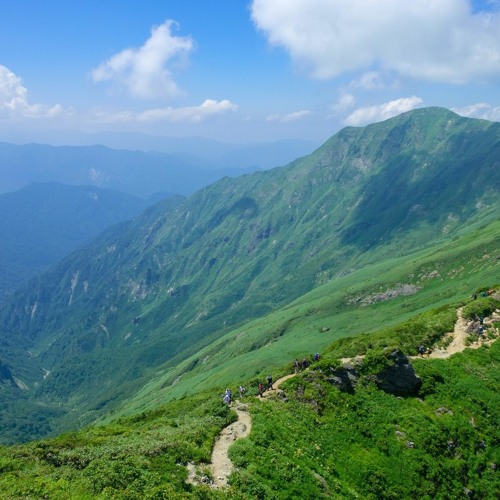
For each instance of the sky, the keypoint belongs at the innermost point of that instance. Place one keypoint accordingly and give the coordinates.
(238, 70)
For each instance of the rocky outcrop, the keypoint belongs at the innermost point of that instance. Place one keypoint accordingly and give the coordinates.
(399, 378)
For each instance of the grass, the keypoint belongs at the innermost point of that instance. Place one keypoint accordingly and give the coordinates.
(446, 275)
(320, 443)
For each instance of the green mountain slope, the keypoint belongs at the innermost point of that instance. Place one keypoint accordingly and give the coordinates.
(152, 293)
(314, 440)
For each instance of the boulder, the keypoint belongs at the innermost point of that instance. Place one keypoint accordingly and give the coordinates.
(399, 378)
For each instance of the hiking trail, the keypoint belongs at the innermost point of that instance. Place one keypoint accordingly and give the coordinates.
(220, 464)
(456, 341)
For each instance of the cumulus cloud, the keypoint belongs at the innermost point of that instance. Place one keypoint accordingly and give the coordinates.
(190, 114)
(14, 99)
(372, 114)
(480, 110)
(441, 41)
(290, 117)
(144, 71)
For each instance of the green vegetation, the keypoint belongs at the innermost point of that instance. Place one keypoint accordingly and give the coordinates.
(140, 457)
(319, 442)
(325, 443)
(42, 223)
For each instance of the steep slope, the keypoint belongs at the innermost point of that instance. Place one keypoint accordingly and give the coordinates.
(42, 223)
(164, 286)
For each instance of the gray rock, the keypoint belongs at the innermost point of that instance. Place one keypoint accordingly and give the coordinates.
(400, 378)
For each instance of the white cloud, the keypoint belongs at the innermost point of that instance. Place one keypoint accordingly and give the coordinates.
(432, 40)
(372, 114)
(143, 71)
(480, 110)
(290, 117)
(190, 114)
(14, 99)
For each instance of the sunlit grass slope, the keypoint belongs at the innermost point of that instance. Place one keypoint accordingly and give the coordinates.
(443, 274)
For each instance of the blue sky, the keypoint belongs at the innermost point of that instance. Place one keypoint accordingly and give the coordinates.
(239, 70)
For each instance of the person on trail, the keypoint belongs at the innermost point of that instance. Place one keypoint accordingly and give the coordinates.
(428, 352)
(227, 396)
(421, 350)
(316, 357)
(296, 365)
(480, 331)
(261, 389)
(481, 320)
(305, 363)
(269, 382)
(474, 296)
(242, 391)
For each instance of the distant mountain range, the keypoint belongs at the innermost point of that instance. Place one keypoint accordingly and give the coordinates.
(133, 172)
(141, 164)
(150, 293)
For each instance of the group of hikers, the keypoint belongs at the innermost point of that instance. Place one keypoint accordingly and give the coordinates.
(268, 385)
(423, 351)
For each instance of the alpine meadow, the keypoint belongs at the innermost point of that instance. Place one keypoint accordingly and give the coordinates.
(379, 251)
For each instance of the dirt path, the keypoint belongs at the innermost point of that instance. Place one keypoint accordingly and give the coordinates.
(456, 341)
(220, 464)
(276, 386)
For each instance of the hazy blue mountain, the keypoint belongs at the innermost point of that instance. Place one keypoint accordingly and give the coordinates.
(134, 172)
(151, 292)
(197, 151)
(42, 223)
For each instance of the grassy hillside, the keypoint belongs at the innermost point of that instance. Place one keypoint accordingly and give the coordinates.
(318, 442)
(361, 302)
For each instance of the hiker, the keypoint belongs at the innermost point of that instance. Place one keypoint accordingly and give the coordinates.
(474, 296)
(480, 331)
(421, 350)
(227, 396)
(296, 365)
(316, 357)
(481, 320)
(261, 389)
(428, 352)
(269, 382)
(242, 391)
(305, 363)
